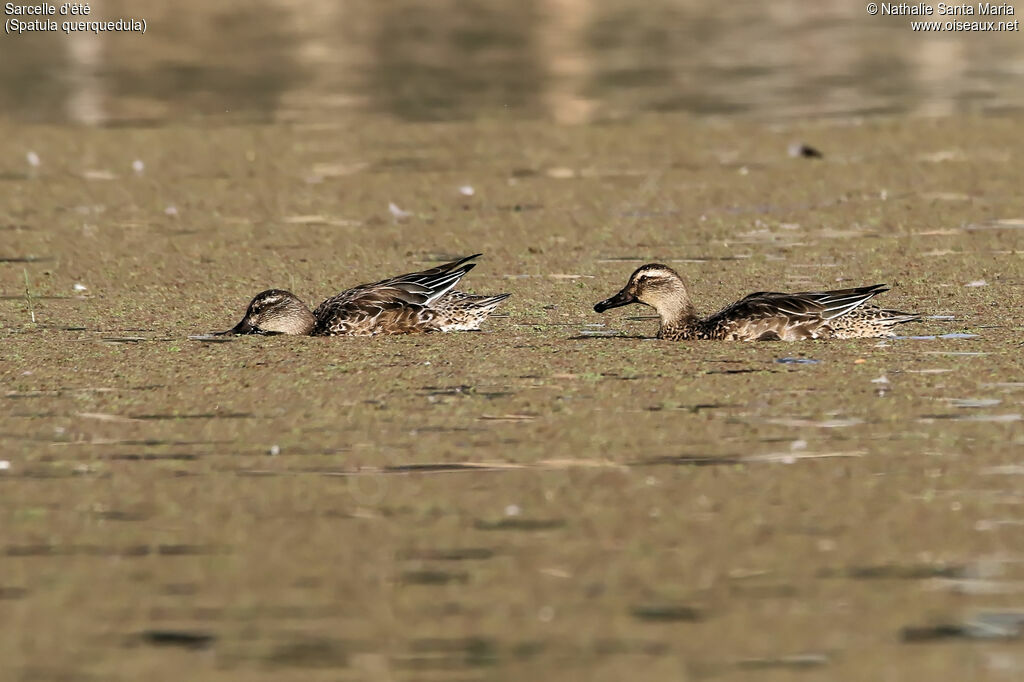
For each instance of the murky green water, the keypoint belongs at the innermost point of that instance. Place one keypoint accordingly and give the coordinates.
(559, 496)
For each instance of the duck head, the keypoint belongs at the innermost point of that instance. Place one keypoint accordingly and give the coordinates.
(658, 286)
(275, 311)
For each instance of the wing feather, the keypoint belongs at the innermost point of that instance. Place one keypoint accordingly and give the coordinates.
(804, 305)
(415, 288)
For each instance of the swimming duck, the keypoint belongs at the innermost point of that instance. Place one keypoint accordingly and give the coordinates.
(763, 316)
(417, 302)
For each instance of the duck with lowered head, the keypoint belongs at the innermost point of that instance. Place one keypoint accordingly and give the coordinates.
(424, 301)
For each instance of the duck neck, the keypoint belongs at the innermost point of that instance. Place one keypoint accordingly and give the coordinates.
(304, 326)
(676, 310)
(296, 321)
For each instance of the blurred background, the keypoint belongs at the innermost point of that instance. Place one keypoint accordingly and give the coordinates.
(571, 61)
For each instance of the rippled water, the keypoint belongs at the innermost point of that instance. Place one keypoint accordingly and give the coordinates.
(567, 60)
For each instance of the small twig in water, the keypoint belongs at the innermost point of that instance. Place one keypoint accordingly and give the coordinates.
(28, 297)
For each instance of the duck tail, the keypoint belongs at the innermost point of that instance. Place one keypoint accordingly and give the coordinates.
(894, 317)
(487, 304)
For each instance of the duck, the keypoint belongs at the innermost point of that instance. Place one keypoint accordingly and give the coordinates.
(761, 316)
(424, 301)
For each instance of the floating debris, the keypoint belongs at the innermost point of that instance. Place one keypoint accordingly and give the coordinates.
(138, 166)
(98, 174)
(80, 287)
(33, 159)
(467, 190)
(105, 417)
(797, 361)
(977, 283)
(171, 210)
(5, 465)
(313, 219)
(274, 451)
(561, 173)
(943, 155)
(799, 150)
(396, 212)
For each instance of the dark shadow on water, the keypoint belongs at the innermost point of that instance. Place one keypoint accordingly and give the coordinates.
(742, 371)
(667, 613)
(516, 523)
(432, 468)
(186, 639)
(127, 551)
(983, 625)
(689, 460)
(694, 409)
(896, 572)
(427, 577)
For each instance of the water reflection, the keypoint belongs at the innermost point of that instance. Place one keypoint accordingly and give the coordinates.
(567, 60)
